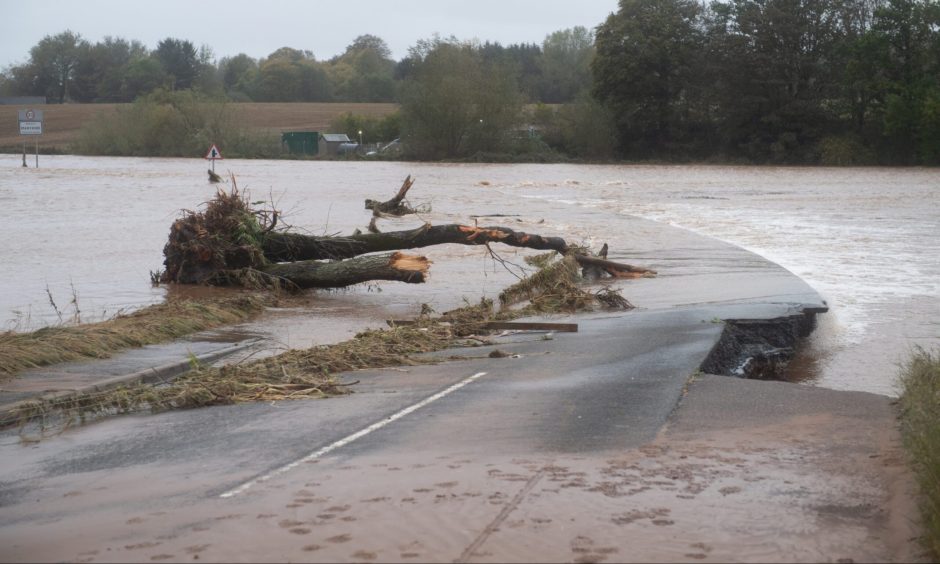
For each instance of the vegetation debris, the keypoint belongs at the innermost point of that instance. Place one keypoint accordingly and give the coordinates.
(153, 324)
(220, 244)
(920, 428)
(310, 373)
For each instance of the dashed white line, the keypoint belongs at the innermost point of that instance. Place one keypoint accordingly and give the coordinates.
(346, 440)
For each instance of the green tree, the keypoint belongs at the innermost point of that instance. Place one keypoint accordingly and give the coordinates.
(364, 72)
(292, 55)
(908, 31)
(101, 69)
(587, 128)
(647, 53)
(290, 75)
(238, 72)
(582, 128)
(778, 68)
(6, 84)
(314, 83)
(278, 81)
(454, 105)
(566, 64)
(180, 61)
(208, 78)
(51, 67)
(142, 75)
(523, 59)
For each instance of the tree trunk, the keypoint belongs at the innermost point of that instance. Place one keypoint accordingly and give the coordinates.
(615, 269)
(393, 206)
(399, 267)
(209, 247)
(283, 247)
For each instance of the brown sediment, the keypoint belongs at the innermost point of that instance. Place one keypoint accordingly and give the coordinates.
(745, 471)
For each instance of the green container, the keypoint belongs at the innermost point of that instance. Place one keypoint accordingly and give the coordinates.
(301, 142)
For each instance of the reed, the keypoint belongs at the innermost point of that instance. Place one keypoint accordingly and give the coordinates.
(920, 428)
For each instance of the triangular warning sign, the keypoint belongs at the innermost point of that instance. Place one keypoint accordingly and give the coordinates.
(213, 153)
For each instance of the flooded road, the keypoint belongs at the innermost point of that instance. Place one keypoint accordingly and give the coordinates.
(85, 233)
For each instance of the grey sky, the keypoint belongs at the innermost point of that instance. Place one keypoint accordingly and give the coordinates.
(325, 27)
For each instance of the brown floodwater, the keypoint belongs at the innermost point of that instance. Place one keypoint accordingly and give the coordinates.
(84, 233)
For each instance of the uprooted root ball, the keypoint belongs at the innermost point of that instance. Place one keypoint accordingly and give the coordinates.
(224, 237)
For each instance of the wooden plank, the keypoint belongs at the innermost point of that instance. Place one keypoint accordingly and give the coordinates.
(509, 325)
(400, 322)
(533, 326)
(610, 265)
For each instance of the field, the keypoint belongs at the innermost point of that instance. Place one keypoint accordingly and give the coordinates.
(64, 121)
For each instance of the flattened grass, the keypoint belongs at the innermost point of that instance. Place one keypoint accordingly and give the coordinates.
(153, 324)
(293, 374)
(310, 373)
(920, 427)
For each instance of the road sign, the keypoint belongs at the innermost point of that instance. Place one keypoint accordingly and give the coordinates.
(30, 128)
(30, 115)
(213, 154)
(30, 122)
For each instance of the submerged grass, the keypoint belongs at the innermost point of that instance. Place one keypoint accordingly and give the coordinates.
(311, 372)
(153, 324)
(290, 375)
(920, 427)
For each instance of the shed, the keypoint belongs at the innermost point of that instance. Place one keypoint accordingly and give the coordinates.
(301, 142)
(330, 143)
(22, 100)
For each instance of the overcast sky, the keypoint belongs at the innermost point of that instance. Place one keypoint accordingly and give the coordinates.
(325, 27)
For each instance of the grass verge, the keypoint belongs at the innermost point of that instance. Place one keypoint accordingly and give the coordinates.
(153, 324)
(920, 428)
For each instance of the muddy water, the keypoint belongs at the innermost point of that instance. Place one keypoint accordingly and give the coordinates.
(84, 233)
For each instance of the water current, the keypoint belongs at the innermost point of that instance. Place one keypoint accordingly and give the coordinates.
(84, 233)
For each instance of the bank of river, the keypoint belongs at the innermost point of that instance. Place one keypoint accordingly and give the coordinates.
(864, 238)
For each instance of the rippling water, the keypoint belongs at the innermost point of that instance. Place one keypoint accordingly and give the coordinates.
(867, 239)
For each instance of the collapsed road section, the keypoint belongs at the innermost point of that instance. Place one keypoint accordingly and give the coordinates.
(759, 349)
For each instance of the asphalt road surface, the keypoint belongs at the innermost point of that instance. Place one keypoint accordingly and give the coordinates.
(558, 452)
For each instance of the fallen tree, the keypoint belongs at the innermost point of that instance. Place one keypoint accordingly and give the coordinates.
(232, 242)
(284, 246)
(399, 267)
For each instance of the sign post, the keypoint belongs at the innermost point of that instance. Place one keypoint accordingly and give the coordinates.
(30, 124)
(212, 155)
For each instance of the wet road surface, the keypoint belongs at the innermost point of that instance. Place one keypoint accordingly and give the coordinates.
(601, 445)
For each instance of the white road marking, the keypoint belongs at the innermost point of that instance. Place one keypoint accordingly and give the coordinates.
(357, 435)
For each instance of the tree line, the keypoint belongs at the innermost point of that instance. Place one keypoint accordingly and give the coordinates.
(790, 81)
(842, 82)
(66, 68)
